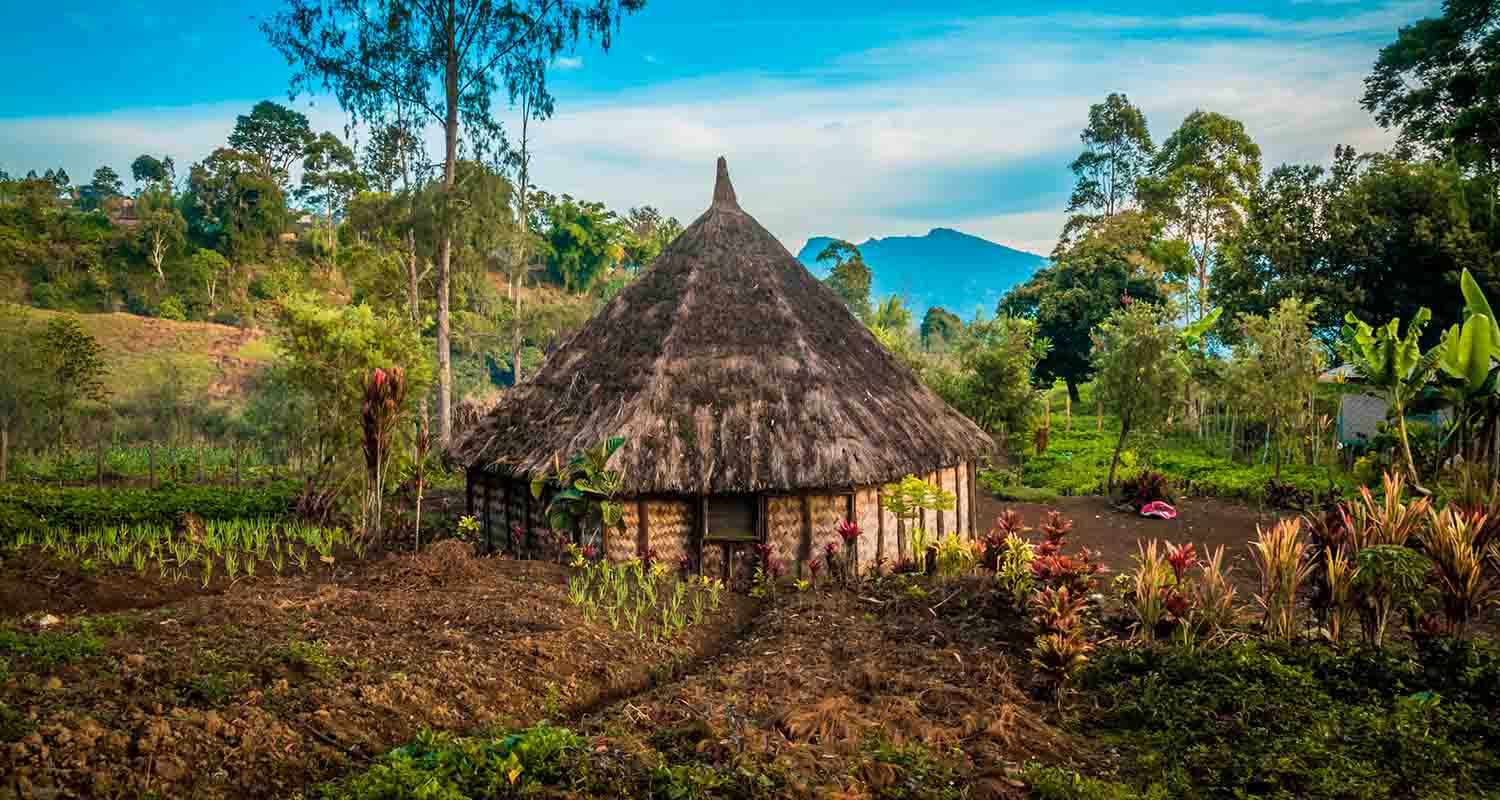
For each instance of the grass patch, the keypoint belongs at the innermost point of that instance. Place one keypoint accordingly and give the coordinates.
(1077, 463)
(1272, 720)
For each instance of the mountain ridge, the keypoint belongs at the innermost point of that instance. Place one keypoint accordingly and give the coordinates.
(945, 267)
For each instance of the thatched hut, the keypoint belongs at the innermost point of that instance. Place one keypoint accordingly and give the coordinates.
(754, 408)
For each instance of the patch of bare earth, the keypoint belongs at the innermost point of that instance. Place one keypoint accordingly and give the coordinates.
(269, 686)
(824, 672)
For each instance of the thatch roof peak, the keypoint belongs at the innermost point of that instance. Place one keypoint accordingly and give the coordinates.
(724, 190)
(727, 367)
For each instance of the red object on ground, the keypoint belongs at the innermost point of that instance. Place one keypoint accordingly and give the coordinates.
(1157, 508)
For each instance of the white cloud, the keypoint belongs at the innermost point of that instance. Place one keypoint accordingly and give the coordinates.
(970, 128)
(568, 62)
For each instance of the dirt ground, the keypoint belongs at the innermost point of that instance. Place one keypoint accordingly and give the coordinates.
(264, 688)
(261, 689)
(823, 672)
(1114, 534)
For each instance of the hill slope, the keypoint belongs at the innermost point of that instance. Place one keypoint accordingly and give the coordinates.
(945, 268)
(213, 361)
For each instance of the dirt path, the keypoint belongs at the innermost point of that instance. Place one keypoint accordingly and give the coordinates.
(1114, 534)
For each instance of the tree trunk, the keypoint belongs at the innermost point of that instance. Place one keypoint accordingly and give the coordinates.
(1411, 464)
(1099, 402)
(445, 248)
(524, 265)
(1278, 454)
(4, 451)
(1072, 389)
(1115, 462)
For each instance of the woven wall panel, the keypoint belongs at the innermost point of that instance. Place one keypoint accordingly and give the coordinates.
(619, 545)
(670, 529)
(784, 527)
(827, 512)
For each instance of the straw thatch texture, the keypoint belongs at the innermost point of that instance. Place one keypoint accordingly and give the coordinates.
(727, 367)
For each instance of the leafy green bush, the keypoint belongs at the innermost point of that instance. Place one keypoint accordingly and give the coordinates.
(32, 508)
(542, 760)
(171, 308)
(1271, 720)
(1055, 783)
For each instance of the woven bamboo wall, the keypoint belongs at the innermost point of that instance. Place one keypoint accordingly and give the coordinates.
(827, 512)
(619, 545)
(670, 529)
(784, 527)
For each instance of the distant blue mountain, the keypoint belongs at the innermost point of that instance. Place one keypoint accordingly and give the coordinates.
(944, 268)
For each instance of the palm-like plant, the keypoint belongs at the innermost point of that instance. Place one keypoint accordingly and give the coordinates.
(1394, 365)
(588, 492)
(1459, 548)
(1280, 553)
(1386, 520)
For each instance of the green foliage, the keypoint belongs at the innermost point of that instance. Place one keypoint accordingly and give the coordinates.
(171, 308)
(325, 356)
(849, 277)
(1393, 364)
(582, 241)
(1138, 373)
(1056, 783)
(73, 370)
(278, 136)
(539, 761)
(46, 649)
(1116, 154)
(25, 507)
(1117, 257)
(940, 327)
(1200, 183)
(991, 382)
(1267, 720)
(1436, 83)
(905, 772)
(1276, 369)
(588, 491)
(1077, 463)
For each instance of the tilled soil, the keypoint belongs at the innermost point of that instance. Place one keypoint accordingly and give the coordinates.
(826, 672)
(270, 686)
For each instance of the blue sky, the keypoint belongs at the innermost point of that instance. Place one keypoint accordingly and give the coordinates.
(839, 118)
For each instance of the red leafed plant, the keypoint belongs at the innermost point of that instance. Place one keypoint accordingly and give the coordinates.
(1181, 557)
(385, 400)
(1009, 523)
(814, 566)
(848, 530)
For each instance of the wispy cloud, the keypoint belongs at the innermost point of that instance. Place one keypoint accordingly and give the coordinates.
(568, 62)
(970, 126)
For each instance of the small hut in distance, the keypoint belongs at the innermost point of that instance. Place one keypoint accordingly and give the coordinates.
(754, 408)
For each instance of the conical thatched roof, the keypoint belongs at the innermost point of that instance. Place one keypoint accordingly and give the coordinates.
(727, 367)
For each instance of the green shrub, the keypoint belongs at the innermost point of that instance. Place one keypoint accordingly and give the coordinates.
(26, 507)
(171, 308)
(1274, 720)
(538, 761)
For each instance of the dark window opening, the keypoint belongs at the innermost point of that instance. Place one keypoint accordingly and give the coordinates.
(731, 518)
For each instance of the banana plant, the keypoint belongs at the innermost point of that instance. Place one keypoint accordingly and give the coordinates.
(1394, 365)
(588, 492)
(1468, 354)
